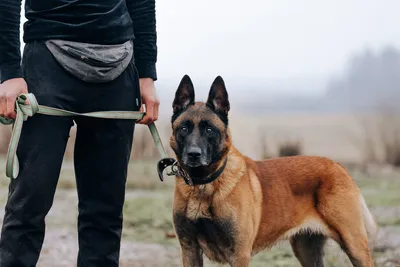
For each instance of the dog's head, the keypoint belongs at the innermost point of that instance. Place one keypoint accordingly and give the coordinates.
(200, 137)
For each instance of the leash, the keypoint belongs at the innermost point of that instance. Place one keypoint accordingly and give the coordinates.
(27, 106)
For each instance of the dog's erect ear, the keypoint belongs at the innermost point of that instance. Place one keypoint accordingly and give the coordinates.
(218, 97)
(184, 95)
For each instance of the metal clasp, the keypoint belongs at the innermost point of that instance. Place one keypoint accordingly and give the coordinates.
(165, 163)
(175, 170)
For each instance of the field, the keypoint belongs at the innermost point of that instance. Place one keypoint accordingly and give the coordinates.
(147, 212)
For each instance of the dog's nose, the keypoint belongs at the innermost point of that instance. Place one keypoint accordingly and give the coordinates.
(194, 152)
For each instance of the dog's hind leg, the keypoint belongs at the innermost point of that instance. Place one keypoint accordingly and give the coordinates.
(339, 205)
(353, 238)
(241, 261)
(191, 256)
(309, 249)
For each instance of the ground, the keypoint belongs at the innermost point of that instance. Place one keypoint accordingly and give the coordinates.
(148, 222)
(147, 211)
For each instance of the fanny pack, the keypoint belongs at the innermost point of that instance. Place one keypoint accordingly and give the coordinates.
(93, 63)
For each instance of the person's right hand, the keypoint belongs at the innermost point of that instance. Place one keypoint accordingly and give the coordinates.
(9, 91)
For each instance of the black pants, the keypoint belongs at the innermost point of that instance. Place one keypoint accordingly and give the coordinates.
(101, 155)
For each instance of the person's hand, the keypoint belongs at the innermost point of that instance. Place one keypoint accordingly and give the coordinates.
(9, 91)
(150, 100)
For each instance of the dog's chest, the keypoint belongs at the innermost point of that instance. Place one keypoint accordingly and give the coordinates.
(215, 236)
(197, 209)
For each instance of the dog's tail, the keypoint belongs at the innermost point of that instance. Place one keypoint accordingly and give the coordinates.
(369, 223)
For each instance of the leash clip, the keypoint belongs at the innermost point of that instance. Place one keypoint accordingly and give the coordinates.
(175, 170)
(163, 164)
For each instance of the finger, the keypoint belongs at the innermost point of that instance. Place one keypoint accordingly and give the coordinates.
(25, 91)
(141, 109)
(149, 118)
(156, 108)
(3, 105)
(146, 120)
(10, 108)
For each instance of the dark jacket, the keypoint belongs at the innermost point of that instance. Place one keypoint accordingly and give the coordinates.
(94, 21)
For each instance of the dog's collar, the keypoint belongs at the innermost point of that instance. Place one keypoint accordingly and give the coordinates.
(208, 179)
(176, 169)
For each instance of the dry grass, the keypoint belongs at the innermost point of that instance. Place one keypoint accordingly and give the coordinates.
(320, 135)
(265, 152)
(337, 136)
(379, 137)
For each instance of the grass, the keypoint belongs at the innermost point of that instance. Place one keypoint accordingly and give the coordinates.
(149, 218)
(141, 175)
(381, 190)
(389, 222)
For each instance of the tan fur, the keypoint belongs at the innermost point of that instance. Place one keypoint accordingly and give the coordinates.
(273, 200)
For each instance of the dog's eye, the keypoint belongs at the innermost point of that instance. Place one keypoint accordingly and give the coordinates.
(184, 129)
(209, 130)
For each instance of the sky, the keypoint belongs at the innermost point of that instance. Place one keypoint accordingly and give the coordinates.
(283, 43)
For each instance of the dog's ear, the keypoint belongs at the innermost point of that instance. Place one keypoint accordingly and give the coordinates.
(218, 97)
(184, 95)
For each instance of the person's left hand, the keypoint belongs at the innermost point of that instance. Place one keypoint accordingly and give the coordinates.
(149, 100)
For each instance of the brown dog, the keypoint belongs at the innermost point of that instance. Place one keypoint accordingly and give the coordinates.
(230, 207)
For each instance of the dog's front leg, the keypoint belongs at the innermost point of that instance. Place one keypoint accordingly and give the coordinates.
(241, 261)
(192, 256)
(191, 253)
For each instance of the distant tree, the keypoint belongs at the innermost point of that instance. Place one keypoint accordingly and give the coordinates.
(370, 80)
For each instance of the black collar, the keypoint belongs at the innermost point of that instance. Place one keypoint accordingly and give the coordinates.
(176, 169)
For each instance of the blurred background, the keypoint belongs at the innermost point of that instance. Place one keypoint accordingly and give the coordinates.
(304, 77)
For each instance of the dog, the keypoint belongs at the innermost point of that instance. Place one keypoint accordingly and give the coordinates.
(230, 207)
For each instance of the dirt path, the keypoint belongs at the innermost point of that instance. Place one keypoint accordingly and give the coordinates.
(60, 250)
(60, 247)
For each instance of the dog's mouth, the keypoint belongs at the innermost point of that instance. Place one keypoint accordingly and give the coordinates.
(198, 172)
(195, 163)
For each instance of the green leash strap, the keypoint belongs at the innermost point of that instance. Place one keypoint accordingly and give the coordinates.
(27, 106)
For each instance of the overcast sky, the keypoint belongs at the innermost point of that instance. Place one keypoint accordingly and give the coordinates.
(270, 39)
(278, 40)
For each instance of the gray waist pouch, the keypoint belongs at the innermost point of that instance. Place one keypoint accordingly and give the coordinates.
(92, 62)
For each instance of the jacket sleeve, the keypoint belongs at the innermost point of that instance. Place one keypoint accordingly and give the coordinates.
(143, 15)
(10, 53)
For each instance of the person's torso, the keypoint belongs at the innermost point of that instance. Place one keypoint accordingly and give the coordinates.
(91, 21)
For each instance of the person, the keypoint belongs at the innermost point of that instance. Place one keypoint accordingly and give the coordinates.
(81, 56)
